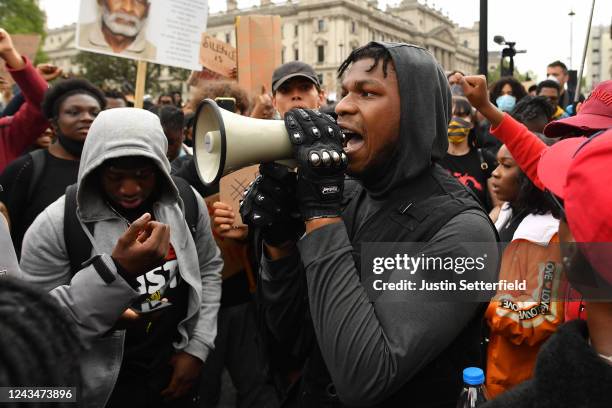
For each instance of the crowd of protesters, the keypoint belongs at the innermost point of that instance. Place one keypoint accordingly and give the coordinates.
(128, 279)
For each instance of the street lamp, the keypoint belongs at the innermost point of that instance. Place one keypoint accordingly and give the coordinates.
(509, 52)
(571, 15)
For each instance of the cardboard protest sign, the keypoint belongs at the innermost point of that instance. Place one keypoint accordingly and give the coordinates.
(233, 185)
(27, 45)
(259, 48)
(166, 32)
(217, 56)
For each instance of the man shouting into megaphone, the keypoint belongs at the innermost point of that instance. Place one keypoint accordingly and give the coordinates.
(391, 130)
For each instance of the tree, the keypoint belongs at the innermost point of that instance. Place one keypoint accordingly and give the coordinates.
(23, 17)
(106, 72)
(494, 75)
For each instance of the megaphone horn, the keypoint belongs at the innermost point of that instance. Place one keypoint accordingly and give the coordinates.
(224, 142)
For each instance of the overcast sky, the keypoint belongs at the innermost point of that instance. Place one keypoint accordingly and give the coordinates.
(542, 27)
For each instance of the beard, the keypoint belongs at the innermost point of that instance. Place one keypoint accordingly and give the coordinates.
(129, 29)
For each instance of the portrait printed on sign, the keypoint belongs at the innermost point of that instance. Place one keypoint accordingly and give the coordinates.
(119, 28)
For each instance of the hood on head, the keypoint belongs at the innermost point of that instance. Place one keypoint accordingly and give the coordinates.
(121, 132)
(426, 109)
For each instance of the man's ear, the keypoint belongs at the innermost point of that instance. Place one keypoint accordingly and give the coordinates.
(322, 98)
(274, 100)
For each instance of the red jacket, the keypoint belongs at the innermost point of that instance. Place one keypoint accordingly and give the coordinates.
(19, 131)
(526, 149)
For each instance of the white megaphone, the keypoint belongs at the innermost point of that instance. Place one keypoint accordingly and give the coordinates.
(224, 142)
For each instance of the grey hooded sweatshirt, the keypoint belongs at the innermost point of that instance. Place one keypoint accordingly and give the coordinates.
(119, 133)
(396, 350)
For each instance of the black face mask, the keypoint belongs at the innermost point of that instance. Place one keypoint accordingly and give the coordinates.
(74, 147)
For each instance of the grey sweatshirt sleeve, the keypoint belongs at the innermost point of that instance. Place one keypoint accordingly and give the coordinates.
(91, 303)
(372, 349)
(211, 264)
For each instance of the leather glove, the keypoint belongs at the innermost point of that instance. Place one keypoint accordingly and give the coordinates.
(317, 147)
(269, 203)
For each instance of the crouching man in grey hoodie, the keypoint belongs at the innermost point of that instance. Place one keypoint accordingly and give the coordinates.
(150, 353)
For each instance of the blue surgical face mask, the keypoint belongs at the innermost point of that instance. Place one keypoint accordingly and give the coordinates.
(506, 103)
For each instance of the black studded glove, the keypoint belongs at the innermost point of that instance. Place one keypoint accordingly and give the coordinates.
(317, 147)
(269, 203)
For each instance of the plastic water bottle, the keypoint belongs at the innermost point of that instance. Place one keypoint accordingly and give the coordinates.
(474, 393)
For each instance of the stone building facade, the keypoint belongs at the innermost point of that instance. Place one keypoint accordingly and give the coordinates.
(323, 32)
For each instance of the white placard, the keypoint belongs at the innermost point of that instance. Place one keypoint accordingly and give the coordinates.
(166, 32)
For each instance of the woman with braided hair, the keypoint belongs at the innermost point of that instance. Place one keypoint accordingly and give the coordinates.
(39, 346)
(534, 112)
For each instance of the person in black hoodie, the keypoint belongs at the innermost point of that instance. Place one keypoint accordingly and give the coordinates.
(357, 348)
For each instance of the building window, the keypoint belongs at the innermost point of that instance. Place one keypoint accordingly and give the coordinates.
(296, 54)
(320, 53)
(353, 27)
(465, 43)
(227, 38)
(283, 31)
(320, 77)
(295, 30)
(283, 56)
(321, 25)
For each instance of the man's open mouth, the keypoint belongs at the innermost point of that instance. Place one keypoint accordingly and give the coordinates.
(351, 141)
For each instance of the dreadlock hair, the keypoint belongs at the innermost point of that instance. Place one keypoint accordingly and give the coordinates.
(518, 91)
(531, 107)
(372, 50)
(39, 346)
(58, 93)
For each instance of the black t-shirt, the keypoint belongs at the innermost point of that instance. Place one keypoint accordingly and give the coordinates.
(148, 343)
(468, 170)
(56, 175)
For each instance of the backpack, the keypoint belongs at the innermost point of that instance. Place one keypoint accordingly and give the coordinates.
(38, 164)
(78, 245)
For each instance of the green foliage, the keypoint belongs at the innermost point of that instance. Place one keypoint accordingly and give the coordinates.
(107, 72)
(494, 75)
(23, 17)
